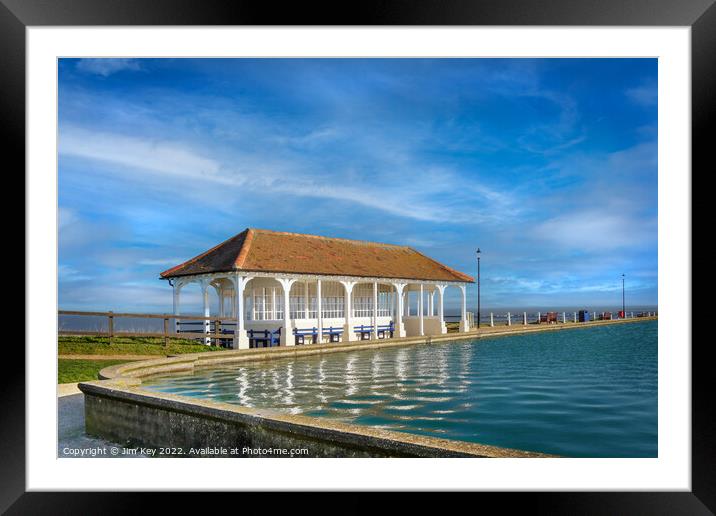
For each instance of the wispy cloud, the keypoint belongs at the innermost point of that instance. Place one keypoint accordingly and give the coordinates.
(548, 165)
(645, 94)
(107, 67)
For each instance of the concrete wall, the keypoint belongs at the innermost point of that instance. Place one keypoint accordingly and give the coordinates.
(127, 414)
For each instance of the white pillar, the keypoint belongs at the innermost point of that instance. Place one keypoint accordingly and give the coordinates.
(319, 314)
(463, 314)
(509, 319)
(175, 303)
(539, 317)
(220, 293)
(524, 318)
(575, 316)
(421, 327)
(241, 340)
(407, 303)
(273, 303)
(564, 317)
(207, 311)
(286, 334)
(399, 326)
(348, 333)
(375, 310)
(306, 300)
(441, 308)
(492, 320)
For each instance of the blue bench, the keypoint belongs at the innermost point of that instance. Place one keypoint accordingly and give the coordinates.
(364, 331)
(382, 329)
(264, 338)
(301, 335)
(334, 334)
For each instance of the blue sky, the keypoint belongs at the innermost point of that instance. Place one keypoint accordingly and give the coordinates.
(548, 165)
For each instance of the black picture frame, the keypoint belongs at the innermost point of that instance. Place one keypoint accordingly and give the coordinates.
(700, 15)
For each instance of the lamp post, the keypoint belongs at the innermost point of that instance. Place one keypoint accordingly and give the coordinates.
(623, 303)
(479, 281)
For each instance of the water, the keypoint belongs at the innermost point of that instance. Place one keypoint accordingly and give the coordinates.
(588, 392)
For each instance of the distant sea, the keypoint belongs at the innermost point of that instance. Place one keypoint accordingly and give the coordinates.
(92, 323)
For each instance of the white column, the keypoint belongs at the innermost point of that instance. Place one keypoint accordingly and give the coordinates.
(399, 326)
(207, 311)
(407, 303)
(286, 330)
(375, 310)
(220, 293)
(319, 314)
(441, 308)
(463, 317)
(524, 318)
(175, 303)
(575, 316)
(564, 317)
(241, 340)
(492, 319)
(348, 333)
(306, 299)
(420, 310)
(509, 319)
(273, 303)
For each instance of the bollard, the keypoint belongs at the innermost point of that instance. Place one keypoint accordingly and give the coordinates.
(509, 319)
(524, 318)
(492, 320)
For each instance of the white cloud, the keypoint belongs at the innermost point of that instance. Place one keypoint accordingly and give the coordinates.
(410, 193)
(644, 95)
(596, 230)
(106, 67)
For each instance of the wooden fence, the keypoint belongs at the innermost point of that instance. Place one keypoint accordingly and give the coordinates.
(218, 333)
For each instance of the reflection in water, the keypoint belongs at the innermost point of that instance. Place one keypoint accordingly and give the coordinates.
(587, 392)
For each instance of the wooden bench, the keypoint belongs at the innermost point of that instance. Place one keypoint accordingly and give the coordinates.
(382, 329)
(334, 334)
(301, 334)
(264, 338)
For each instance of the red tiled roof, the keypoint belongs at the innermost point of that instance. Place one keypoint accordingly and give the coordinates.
(273, 251)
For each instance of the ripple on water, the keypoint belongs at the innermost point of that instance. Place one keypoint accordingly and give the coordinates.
(586, 393)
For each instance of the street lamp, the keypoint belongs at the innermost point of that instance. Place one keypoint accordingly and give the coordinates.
(623, 304)
(479, 281)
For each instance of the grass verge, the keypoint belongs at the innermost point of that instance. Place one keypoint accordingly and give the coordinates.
(89, 345)
(72, 371)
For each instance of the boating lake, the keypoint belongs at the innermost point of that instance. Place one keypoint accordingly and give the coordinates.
(587, 392)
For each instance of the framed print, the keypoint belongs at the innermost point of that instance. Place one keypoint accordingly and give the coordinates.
(362, 254)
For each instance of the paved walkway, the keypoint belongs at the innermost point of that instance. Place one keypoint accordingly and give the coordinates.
(71, 438)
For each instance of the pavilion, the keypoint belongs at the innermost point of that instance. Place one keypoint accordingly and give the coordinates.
(331, 288)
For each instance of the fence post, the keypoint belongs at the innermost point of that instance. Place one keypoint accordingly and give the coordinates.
(110, 326)
(166, 331)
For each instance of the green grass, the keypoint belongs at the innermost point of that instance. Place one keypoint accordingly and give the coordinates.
(71, 371)
(89, 345)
